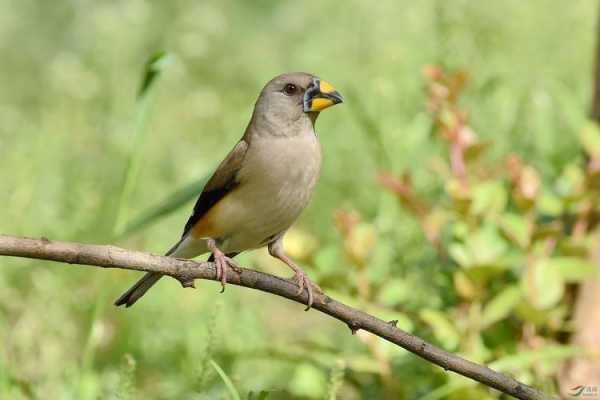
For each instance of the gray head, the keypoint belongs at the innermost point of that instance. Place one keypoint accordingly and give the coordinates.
(290, 103)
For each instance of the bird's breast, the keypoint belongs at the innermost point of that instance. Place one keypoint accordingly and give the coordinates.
(276, 182)
(278, 164)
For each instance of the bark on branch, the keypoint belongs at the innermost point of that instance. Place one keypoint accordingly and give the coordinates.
(185, 271)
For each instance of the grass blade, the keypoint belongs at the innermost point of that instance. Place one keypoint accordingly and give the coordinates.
(169, 205)
(154, 66)
(232, 390)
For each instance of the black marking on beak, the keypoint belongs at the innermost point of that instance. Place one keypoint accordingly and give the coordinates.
(314, 92)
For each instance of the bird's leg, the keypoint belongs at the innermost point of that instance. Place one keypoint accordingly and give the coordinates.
(300, 277)
(222, 262)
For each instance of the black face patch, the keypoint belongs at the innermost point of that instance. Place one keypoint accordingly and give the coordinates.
(312, 89)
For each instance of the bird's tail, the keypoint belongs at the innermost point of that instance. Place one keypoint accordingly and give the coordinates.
(140, 288)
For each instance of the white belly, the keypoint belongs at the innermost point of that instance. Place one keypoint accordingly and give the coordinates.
(276, 183)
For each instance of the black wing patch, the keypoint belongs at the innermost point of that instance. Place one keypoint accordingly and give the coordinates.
(223, 181)
(205, 202)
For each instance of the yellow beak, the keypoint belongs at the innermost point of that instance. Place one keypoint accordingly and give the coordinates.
(321, 95)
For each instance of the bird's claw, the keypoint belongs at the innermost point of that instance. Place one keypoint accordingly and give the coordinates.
(303, 281)
(222, 264)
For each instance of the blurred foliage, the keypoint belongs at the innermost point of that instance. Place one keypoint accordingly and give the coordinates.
(458, 203)
(511, 242)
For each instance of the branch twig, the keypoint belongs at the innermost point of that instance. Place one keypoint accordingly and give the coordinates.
(185, 271)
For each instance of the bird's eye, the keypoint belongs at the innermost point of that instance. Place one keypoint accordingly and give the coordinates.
(290, 89)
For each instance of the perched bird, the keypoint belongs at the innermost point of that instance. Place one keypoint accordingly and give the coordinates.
(262, 186)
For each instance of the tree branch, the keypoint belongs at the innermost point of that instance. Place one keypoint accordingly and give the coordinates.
(185, 271)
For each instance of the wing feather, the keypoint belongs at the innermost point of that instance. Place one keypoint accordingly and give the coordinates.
(223, 181)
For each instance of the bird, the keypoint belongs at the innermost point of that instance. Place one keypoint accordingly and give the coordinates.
(261, 187)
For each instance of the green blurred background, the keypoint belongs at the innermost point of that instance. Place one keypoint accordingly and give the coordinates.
(71, 128)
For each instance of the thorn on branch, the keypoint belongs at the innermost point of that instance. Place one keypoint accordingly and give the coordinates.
(354, 327)
(187, 283)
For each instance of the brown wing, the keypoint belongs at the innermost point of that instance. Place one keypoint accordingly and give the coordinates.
(222, 182)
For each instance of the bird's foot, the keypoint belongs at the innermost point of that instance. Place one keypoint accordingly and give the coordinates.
(222, 264)
(303, 281)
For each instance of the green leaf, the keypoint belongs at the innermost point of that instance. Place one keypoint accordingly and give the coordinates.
(516, 228)
(590, 139)
(545, 285)
(573, 269)
(476, 150)
(487, 246)
(571, 182)
(465, 286)
(230, 388)
(526, 311)
(527, 359)
(484, 248)
(549, 205)
(501, 305)
(460, 230)
(488, 198)
(481, 275)
(442, 328)
(459, 254)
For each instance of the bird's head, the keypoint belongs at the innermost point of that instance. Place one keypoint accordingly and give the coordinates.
(294, 100)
